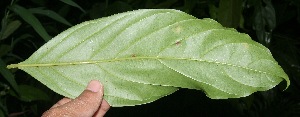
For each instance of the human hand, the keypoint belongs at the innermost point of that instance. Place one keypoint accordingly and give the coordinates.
(89, 103)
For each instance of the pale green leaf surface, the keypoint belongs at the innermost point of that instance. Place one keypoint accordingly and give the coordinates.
(143, 55)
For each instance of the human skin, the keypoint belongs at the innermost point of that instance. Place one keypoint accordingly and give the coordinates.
(89, 103)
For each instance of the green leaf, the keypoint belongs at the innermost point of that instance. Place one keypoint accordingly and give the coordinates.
(3, 110)
(229, 13)
(4, 49)
(8, 76)
(72, 3)
(11, 27)
(29, 93)
(118, 7)
(143, 55)
(264, 21)
(50, 14)
(32, 20)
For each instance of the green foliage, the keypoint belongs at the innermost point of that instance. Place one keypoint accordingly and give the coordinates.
(50, 14)
(72, 3)
(32, 20)
(230, 13)
(8, 76)
(18, 40)
(155, 50)
(264, 20)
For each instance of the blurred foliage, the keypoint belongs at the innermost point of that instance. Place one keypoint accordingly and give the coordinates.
(28, 24)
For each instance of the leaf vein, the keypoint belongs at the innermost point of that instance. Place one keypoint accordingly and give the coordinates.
(89, 37)
(128, 25)
(47, 77)
(193, 78)
(130, 58)
(144, 36)
(116, 77)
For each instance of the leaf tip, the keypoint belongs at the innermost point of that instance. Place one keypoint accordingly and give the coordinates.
(11, 66)
(287, 83)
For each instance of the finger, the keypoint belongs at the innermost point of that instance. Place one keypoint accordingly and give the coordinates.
(85, 105)
(88, 102)
(104, 107)
(61, 102)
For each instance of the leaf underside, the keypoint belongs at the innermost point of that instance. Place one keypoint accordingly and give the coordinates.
(143, 55)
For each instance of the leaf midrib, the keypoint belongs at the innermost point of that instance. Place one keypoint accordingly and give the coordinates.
(128, 58)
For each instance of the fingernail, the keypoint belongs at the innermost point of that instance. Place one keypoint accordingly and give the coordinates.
(94, 86)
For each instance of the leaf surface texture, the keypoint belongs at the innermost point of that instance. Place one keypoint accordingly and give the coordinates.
(143, 55)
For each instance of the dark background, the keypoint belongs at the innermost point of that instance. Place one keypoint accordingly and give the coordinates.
(28, 24)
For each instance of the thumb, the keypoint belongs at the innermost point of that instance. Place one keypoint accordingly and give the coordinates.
(89, 101)
(86, 104)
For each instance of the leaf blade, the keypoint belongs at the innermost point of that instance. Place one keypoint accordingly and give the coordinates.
(32, 20)
(50, 14)
(8, 76)
(140, 57)
(74, 4)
